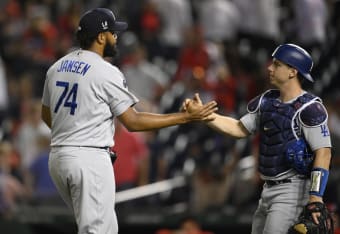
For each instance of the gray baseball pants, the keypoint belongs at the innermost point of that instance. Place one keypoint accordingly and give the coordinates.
(280, 205)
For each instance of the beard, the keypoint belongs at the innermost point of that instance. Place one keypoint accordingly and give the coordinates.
(110, 50)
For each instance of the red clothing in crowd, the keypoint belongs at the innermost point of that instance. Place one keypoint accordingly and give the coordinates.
(193, 55)
(131, 150)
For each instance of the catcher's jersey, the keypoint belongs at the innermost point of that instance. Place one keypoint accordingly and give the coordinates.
(315, 136)
(84, 94)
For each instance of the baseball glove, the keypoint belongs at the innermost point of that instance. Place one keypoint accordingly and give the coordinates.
(306, 225)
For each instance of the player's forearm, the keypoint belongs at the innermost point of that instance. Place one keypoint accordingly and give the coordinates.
(228, 125)
(320, 178)
(322, 158)
(145, 121)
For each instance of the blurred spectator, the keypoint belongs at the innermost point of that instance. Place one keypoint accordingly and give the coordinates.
(11, 189)
(41, 36)
(40, 42)
(132, 165)
(67, 23)
(220, 21)
(29, 132)
(176, 18)
(3, 95)
(334, 212)
(250, 78)
(260, 29)
(224, 89)
(213, 179)
(327, 68)
(193, 56)
(132, 11)
(333, 187)
(41, 187)
(21, 92)
(144, 78)
(188, 225)
(150, 26)
(214, 160)
(336, 218)
(225, 81)
(311, 25)
(13, 24)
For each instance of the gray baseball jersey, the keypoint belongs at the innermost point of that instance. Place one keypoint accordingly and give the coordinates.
(84, 93)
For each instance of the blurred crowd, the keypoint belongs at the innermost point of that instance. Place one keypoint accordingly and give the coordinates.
(172, 49)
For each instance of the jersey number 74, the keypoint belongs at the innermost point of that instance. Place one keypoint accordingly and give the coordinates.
(68, 97)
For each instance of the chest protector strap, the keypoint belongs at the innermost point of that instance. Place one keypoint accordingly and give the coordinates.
(297, 152)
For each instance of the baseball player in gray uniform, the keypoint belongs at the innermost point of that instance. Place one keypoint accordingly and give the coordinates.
(295, 145)
(83, 93)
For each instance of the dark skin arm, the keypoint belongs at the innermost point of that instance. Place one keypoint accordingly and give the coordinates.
(145, 121)
(46, 115)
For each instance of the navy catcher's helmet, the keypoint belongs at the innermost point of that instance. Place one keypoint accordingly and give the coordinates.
(296, 57)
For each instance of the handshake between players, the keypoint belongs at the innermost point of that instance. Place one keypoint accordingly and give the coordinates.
(192, 105)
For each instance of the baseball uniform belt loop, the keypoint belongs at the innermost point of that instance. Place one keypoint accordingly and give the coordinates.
(277, 182)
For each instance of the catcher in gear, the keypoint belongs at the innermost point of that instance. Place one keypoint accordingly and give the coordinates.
(306, 225)
(294, 146)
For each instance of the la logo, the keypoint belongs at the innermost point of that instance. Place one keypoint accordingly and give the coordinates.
(104, 25)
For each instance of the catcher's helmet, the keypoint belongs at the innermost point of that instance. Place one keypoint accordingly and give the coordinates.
(296, 57)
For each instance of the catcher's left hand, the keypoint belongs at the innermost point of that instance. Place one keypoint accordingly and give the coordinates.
(306, 225)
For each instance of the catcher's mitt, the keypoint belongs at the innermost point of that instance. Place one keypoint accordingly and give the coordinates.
(306, 225)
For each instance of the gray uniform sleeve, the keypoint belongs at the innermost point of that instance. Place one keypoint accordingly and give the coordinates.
(313, 121)
(317, 137)
(117, 93)
(249, 121)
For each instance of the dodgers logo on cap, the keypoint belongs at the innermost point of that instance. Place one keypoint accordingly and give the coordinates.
(105, 25)
(100, 20)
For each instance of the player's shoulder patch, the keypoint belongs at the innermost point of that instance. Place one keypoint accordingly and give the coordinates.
(254, 104)
(314, 114)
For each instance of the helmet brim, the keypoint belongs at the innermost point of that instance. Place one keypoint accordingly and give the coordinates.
(307, 76)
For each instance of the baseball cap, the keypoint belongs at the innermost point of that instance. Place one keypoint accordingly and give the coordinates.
(100, 20)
